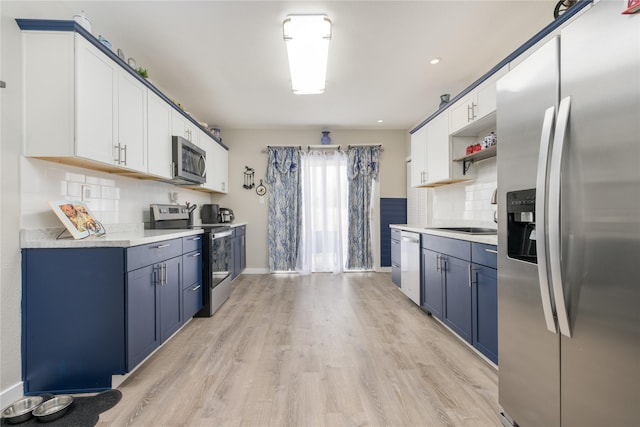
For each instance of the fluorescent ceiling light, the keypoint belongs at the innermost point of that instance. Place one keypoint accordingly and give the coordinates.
(307, 39)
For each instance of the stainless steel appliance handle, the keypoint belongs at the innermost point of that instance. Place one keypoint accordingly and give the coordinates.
(555, 172)
(203, 165)
(541, 227)
(221, 234)
(410, 239)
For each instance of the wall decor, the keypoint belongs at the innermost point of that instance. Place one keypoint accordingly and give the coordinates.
(248, 178)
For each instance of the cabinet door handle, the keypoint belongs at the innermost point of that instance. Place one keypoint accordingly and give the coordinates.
(195, 288)
(162, 246)
(197, 254)
(469, 112)
(470, 274)
(125, 155)
(491, 251)
(118, 149)
(438, 263)
(164, 274)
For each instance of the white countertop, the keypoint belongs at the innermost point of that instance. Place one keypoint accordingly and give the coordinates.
(120, 237)
(489, 239)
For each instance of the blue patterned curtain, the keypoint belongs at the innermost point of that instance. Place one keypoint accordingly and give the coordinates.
(283, 178)
(362, 170)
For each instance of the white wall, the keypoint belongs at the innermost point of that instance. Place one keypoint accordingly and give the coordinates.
(245, 149)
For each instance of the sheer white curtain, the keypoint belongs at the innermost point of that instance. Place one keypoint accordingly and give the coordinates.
(323, 245)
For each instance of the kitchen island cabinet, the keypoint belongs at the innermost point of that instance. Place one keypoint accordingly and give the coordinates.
(93, 312)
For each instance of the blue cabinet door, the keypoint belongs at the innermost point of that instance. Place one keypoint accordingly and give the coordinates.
(170, 292)
(457, 297)
(431, 283)
(72, 319)
(143, 335)
(191, 301)
(485, 311)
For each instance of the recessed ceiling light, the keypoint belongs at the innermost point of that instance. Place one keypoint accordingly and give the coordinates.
(380, 121)
(434, 61)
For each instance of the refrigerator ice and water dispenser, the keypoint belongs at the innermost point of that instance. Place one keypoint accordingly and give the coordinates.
(521, 225)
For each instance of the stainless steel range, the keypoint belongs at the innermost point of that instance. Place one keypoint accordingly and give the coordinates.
(217, 259)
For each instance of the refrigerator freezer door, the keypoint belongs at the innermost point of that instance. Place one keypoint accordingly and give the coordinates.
(529, 375)
(600, 219)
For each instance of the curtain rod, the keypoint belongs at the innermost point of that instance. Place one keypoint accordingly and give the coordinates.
(365, 145)
(266, 150)
(319, 147)
(315, 147)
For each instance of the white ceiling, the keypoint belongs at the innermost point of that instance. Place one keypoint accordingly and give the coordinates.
(226, 63)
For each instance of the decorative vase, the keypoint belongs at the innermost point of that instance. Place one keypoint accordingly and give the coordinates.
(326, 139)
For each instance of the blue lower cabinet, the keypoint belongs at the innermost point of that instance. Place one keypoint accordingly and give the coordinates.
(485, 311)
(91, 313)
(143, 335)
(191, 300)
(72, 319)
(432, 296)
(457, 296)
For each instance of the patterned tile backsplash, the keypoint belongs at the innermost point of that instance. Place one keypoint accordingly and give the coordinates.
(111, 198)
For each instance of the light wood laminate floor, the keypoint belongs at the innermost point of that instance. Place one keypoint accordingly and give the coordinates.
(319, 350)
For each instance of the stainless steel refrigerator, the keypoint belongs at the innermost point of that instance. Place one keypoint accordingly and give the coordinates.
(568, 123)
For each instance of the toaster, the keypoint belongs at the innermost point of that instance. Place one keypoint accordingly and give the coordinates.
(226, 215)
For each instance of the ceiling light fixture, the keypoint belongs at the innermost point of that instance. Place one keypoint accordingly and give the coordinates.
(434, 61)
(307, 39)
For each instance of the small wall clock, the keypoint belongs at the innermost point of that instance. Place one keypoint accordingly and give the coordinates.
(261, 190)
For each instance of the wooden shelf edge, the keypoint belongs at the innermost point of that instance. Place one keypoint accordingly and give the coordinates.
(479, 155)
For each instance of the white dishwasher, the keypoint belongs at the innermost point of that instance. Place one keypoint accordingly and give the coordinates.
(410, 265)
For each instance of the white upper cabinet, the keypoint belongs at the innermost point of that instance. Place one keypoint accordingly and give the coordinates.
(131, 143)
(84, 108)
(476, 109)
(419, 171)
(183, 127)
(159, 137)
(95, 110)
(438, 149)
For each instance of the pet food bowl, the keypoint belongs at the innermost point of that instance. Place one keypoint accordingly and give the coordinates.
(20, 410)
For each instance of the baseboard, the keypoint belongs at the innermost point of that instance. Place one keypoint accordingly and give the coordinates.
(255, 271)
(10, 395)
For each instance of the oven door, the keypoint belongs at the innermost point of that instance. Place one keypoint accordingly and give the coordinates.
(220, 257)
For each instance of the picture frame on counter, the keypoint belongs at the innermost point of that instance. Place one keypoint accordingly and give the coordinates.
(77, 219)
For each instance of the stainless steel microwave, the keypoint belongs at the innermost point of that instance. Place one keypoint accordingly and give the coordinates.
(189, 162)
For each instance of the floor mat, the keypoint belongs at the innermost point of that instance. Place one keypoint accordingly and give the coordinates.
(84, 411)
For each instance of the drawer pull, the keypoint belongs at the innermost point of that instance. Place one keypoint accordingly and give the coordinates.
(491, 251)
(195, 288)
(162, 246)
(195, 255)
(195, 238)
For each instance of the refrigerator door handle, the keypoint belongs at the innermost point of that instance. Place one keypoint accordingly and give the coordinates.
(553, 207)
(541, 202)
